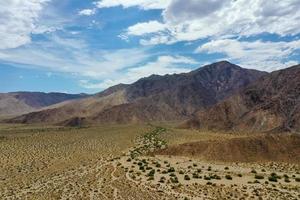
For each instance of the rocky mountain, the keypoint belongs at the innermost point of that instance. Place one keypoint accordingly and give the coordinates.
(270, 104)
(155, 98)
(17, 103)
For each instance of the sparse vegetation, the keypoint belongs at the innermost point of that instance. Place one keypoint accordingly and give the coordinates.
(186, 177)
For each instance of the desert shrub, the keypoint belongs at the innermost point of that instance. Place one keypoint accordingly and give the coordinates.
(171, 169)
(158, 165)
(240, 175)
(287, 180)
(186, 177)
(228, 177)
(151, 178)
(172, 175)
(253, 171)
(226, 168)
(297, 179)
(151, 173)
(216, 177)
(207, 178)
(256, 181)
(174, 180)
(272, 178)
(195, 165)
(162, 179)
(129, 160)
(263, 170)
(181, 172)
(257, 176)
(195, 175)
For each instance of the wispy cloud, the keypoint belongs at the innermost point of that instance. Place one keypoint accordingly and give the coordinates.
(268, 56)
(17, 21)
(161, 66)
(73, 56)
(143, 4)
(87, 12)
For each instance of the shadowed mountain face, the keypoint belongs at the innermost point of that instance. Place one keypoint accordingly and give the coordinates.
(156, 98)
(270, 104)
(17, 103)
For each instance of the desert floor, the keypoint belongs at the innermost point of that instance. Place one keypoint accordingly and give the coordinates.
(120, 162)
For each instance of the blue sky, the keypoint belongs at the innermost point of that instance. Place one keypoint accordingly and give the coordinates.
(79, 46)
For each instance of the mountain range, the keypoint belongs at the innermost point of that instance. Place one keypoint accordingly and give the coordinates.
(272, 103)
(17, 103)
(220, 96)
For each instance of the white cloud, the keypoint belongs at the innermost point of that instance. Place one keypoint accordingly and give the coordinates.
(161, 66)
(87, 12)
(143, 4)
(197, 19)
(268, 56)
(18, 21)
(73, 56)
(145, 28)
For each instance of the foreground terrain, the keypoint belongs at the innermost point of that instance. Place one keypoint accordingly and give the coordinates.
(138, 162)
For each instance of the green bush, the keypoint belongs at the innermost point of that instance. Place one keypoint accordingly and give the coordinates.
(273, 178)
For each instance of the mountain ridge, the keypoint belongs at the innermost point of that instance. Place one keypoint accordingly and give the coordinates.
(168, 97)
(271, 104)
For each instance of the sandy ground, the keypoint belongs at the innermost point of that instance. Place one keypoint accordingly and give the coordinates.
(115, 162)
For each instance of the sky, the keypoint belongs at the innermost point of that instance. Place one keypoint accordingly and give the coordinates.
(77, 46)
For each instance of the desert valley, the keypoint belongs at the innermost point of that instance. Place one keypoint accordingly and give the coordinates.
(218, 132)
(149, 100)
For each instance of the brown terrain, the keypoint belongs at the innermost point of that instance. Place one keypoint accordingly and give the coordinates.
(271, 104)
(254, 148)
(170, 97)
(240, 140)
(17, 103)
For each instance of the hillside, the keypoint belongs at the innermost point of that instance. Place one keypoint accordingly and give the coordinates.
(270, 104)
(256, 148)
(17, 103)
(169, 97)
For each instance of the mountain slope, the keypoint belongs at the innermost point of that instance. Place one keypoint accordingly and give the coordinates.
(270, 104)
(17, 103)
(169, 97)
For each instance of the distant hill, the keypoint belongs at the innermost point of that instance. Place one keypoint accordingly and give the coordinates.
(155, 98)
(271, 104)
(17, 103)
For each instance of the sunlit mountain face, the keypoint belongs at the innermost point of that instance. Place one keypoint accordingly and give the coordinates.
(76, 46)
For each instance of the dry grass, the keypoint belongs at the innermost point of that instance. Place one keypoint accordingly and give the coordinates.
(47, 162)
